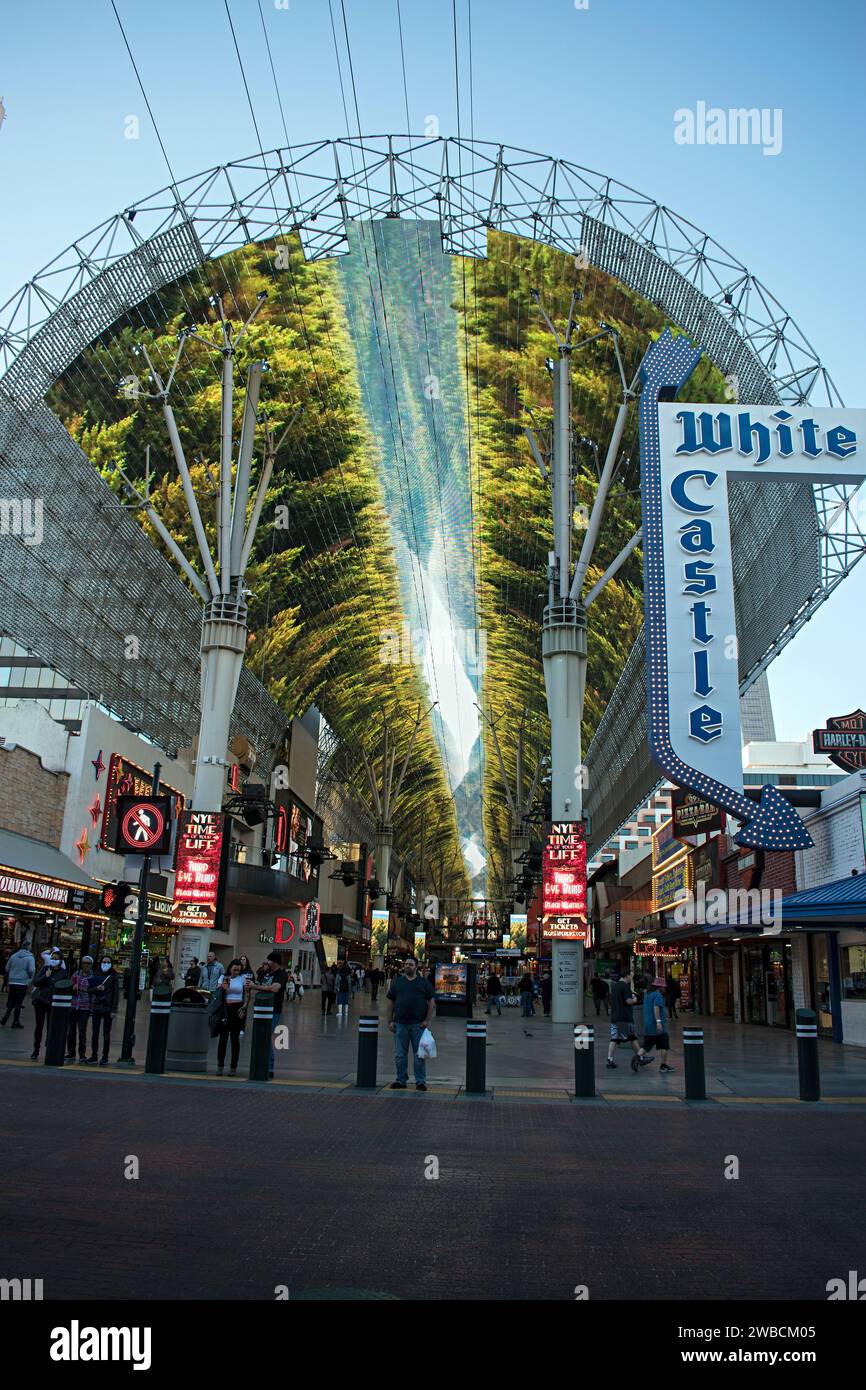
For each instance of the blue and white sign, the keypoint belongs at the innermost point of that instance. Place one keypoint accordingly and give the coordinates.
(688, 453)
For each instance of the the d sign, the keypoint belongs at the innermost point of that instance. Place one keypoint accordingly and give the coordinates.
(284, 930)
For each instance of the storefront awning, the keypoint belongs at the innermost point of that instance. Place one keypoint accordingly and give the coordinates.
(842, 901)
(41, 860)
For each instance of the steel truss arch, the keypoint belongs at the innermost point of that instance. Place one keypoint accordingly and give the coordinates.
(319, 189)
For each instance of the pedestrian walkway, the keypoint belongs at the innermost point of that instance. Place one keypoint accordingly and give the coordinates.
(527, 1057)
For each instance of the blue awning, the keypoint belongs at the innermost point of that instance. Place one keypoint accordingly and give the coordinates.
(842, 901)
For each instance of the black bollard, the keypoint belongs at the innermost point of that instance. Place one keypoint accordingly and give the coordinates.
(157, 1033)
(807, 1055)
(693, 1059)
(58, 1024)
(476, 1056)
(584, 1059)
(368, 1045)
(263, 1026)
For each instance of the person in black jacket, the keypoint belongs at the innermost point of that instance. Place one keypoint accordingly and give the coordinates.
(495, 992)
(104, 991)
(526, 989)
(44, 981)
(546, 991)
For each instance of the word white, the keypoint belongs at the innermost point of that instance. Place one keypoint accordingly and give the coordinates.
(22, 516)
(76, 1343)
(705, 433)
(737, 126)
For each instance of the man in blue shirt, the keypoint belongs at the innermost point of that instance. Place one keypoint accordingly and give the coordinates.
(655, 1023)
(412, 1007)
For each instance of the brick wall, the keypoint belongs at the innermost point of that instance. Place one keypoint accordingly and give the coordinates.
(32, 800)
(778, 871)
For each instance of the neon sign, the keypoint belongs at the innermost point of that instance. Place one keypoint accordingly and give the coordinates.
(693, 710)
(563, 882)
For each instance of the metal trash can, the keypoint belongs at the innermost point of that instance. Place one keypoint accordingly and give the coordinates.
(188, 1030)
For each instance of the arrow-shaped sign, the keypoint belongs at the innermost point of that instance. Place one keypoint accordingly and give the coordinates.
(773, 823)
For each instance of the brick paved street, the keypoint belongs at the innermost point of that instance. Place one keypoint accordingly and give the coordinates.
(242, 1188)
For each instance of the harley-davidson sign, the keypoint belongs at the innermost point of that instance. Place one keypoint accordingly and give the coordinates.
(844, 741)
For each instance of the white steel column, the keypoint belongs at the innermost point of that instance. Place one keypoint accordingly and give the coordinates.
(563, 650)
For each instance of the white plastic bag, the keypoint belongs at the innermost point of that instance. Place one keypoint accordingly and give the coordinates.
(427, 1045)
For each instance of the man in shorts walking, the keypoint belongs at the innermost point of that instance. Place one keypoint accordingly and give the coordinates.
(622, 999)
(655, 1024)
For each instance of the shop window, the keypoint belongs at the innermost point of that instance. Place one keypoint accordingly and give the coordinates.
(821, 976)
(853, 972)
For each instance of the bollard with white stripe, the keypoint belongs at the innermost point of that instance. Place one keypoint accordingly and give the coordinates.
(263, 1026)
(157, 1033)
(807, 1055)
(693, 1060)
(584, 1059)
(476, 1056)
(58, 1024)
(368, 1045)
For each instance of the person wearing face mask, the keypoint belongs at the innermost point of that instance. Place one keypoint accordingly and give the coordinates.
(44, 981)
(104, 990)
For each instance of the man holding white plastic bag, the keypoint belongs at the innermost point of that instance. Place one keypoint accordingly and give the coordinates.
(412, 1007)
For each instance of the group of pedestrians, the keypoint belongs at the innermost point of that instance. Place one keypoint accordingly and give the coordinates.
(341, 982)
(600, 991)
(95, 994)
(623, 998)
(526, 988)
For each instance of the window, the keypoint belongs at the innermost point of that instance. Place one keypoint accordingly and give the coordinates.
(853, 972)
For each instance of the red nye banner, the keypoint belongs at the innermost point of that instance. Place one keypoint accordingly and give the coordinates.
(563, 882)
(202, 855)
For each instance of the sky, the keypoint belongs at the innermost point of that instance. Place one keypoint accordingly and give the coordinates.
(598, 85)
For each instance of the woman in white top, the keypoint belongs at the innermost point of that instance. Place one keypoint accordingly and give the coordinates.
(235, 987)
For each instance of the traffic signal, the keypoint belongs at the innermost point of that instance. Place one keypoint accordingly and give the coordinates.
(114, 898)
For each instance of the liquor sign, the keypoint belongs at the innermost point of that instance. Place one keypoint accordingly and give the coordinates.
(563, 882)
(143, 824)
(202, 859)
(651, 950)
(688, 455)
(126, 778)
(844, 741)
(692, 816)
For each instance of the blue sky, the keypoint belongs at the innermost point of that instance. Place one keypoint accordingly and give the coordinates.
(598, 86)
